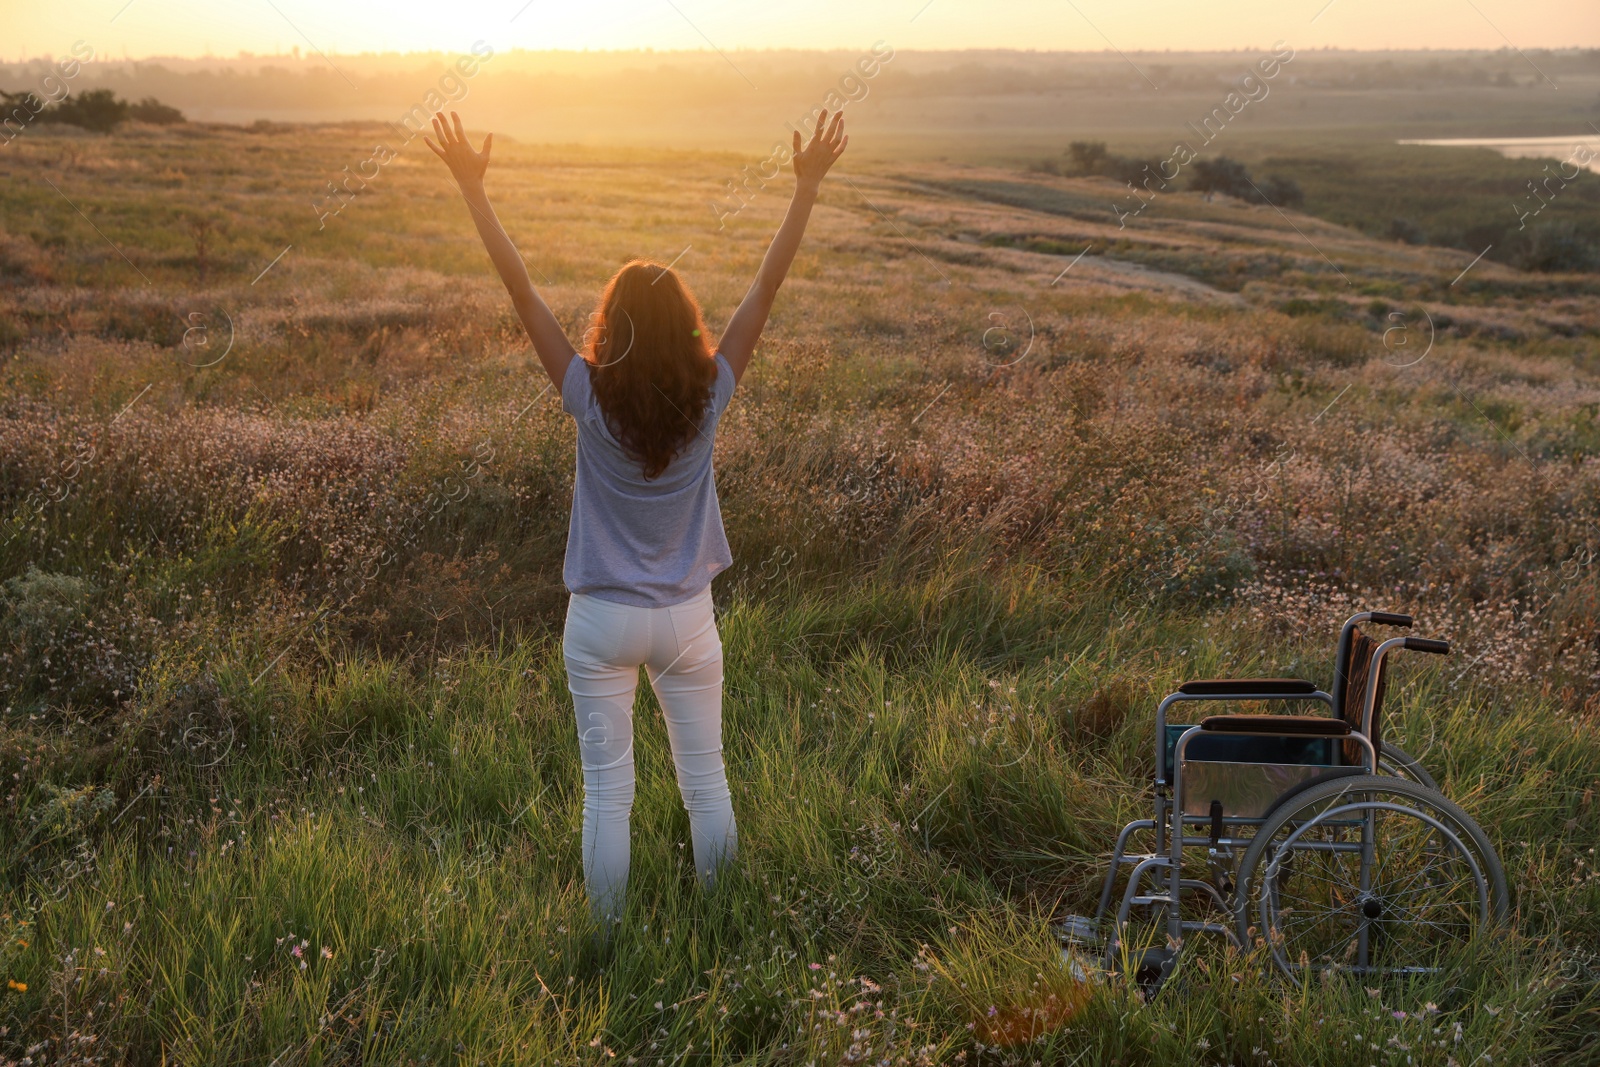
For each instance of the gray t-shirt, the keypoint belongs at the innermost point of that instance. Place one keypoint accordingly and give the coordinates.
(652, 542)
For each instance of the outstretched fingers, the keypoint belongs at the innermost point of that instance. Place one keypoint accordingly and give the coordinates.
(828, 137)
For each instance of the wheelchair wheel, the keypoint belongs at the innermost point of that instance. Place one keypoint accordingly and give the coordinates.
(1396, 761)
(1368, 874)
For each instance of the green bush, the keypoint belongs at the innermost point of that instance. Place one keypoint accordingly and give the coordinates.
(55, 646)
(98, 110)
(155, 112)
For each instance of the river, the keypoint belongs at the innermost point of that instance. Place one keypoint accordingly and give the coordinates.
(1561, 148)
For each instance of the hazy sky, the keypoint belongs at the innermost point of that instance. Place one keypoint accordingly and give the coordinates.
(224, 27)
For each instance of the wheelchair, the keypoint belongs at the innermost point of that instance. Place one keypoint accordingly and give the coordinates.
(1306, 835)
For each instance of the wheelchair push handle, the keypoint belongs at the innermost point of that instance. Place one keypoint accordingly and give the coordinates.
(1423, 644)
(1389, 618)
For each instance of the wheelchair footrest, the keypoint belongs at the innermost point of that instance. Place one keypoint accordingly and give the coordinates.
(1080, 931)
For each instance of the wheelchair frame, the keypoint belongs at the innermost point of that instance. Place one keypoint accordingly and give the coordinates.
(1157, 877)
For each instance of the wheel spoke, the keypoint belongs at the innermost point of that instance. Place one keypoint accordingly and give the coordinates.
(1426, 893)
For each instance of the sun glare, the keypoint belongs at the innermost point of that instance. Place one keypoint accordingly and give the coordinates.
(191, 28)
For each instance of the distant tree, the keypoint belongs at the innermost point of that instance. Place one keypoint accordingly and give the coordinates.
(1222, 175)
(1231, 178)
(1088, 157)
(9, 102)
(1135, 171)
(1483, 236)
(1406, 232)
(205, 228)
(16, 111)
(154, 111)
(1284, 192)
(1559, 247)
(98, 110)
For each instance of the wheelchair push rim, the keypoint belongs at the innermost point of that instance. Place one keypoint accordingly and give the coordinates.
(1369, 875)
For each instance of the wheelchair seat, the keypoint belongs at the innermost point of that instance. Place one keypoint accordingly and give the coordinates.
(1309, 725)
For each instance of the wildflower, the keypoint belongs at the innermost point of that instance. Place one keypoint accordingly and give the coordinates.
(20, 987)
(295, 952)
(327, 953)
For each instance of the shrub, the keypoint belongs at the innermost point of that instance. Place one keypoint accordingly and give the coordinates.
(1087, 156)
(1231, 178)
(1406, 232)
(53, 646)
(1284, 192)
(16, 111)
(1559, 247)
(155, 112)
(1091, 158)
(98, 110)
(42, 612)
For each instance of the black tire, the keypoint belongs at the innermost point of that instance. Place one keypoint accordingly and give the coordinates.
(1400, 763)
(1442, 825)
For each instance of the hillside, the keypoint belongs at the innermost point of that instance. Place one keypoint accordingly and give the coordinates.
(290, 761)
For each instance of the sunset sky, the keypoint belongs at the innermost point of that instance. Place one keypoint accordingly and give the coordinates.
(141, 28)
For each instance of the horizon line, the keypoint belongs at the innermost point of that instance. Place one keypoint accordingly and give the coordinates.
(302, 56)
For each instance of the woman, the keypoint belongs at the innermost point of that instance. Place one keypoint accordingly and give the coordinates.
(646, 533)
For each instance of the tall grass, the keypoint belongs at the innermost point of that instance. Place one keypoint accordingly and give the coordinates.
(288, 759)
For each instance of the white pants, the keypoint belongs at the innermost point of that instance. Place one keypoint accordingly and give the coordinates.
(604, 645)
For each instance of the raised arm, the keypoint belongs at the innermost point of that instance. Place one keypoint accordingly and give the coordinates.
(468, 166)
(810, 164)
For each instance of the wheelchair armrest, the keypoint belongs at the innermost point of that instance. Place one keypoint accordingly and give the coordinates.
(1248, 687)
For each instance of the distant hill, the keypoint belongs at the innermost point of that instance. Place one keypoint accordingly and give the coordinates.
(996, 101)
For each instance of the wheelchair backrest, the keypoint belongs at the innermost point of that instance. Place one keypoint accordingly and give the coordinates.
(1352, 674)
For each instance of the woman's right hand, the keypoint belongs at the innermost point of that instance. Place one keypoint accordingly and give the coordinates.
(813, 161)
(466, 165)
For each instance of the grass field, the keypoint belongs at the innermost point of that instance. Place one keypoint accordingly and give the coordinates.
(290, 771)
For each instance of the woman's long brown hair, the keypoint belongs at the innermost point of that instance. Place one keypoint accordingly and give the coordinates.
(653, 370)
